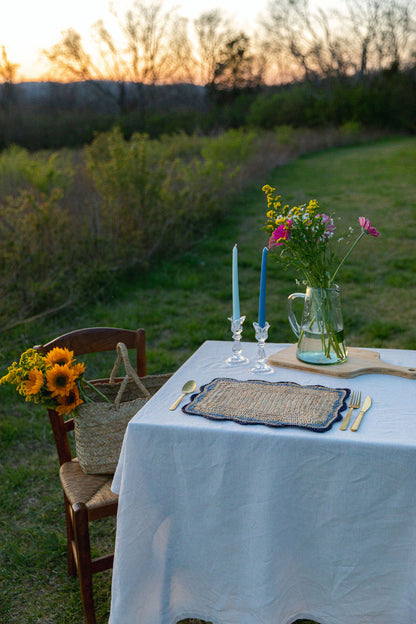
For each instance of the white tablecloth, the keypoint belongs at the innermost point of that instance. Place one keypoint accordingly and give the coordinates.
(248, 524)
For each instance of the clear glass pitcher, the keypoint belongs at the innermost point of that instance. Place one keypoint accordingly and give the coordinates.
(321, 332)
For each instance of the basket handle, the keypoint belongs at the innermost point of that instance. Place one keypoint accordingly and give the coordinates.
(123, 356)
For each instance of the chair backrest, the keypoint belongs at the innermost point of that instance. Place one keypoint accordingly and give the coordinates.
(81, 342)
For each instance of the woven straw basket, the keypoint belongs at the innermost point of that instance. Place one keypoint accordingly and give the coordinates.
(99, 426)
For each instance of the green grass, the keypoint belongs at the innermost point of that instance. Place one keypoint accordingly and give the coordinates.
(181, 302)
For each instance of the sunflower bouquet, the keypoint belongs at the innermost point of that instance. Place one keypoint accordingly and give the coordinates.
(55, 379)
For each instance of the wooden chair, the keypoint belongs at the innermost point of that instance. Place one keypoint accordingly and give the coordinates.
(87, 497)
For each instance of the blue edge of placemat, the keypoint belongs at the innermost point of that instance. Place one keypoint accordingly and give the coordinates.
(187, 410)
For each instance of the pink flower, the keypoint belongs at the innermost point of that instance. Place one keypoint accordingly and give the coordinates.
(329, 225)
(280, 234)
(367, 227)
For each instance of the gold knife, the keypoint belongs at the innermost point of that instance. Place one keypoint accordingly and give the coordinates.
(357, 421)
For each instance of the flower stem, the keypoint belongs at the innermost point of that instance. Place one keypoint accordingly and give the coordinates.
(97, 391)
(331, 281)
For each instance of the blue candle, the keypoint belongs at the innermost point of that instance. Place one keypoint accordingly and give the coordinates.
(262, 298)
(236, 296)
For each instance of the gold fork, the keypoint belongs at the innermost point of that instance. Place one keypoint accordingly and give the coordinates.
(354, 404)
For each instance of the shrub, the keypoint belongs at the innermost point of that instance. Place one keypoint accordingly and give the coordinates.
(383, 100)
(69, 226)
(34, 263)
(151, 190)
(20, 170)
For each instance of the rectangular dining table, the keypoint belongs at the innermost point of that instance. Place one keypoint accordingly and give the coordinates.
(253, 524)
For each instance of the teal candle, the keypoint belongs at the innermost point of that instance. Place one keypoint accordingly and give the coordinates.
(236, 295)
(262, 297)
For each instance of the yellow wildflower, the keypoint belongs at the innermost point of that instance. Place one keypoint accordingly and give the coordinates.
(312, 206)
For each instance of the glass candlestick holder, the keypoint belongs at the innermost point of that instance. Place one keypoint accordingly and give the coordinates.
(237, 329)
(261, 365)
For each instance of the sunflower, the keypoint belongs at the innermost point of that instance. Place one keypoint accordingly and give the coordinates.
(68, 402)
(60, 380)
(59, 355)
(34, 383)
(78, 369)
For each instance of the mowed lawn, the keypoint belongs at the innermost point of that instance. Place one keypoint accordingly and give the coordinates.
(182, 302)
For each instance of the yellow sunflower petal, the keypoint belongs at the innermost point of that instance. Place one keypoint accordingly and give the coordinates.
(59, 355)
(34, 383)
(66, 404)
(60, 379)
(78, 369)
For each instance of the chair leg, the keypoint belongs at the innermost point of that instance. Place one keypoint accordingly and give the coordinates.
(83, 553)
(72, 568)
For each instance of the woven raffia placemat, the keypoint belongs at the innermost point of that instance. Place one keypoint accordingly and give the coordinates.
(277, 404)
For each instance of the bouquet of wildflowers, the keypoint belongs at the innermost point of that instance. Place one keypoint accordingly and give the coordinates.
(55, 379)
(302, 235)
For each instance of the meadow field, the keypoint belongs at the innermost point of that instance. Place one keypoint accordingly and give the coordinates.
(181, 295)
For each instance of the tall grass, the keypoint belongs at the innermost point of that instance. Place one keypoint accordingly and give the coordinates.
(182, 301)
(70, 222)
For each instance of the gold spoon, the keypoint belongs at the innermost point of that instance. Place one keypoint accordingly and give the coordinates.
(188, 387)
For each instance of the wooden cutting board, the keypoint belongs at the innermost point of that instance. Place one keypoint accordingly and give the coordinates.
(359, 362)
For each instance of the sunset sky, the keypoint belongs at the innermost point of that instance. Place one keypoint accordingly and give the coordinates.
(27, 27)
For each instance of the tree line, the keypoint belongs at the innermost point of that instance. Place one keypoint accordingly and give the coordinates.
(151, 45)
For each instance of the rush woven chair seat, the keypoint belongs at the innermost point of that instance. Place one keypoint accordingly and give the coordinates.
(87, 497)
(88, 489)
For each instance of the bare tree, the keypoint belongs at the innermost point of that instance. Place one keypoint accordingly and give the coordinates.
(8, 73)
(113, 64)
(383, 32)
(228, 59)
(8, 70)
(182, 52)
(400, 24)
(364, 19)
(69, 58)
(152, 46)
(111, 57)
(70, 61)
(158, 47)
(213, 31)
(286, 33)
(237, 69)
(366, 35)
